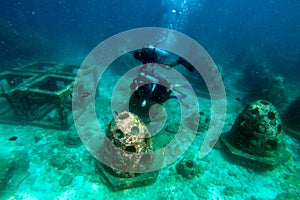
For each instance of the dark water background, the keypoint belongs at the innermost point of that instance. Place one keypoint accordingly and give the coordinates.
(235, 33)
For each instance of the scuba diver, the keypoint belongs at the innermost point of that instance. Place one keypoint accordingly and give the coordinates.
(152, 54)
(150, 88)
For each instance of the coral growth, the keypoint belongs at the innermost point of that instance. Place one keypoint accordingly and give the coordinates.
(187, 167)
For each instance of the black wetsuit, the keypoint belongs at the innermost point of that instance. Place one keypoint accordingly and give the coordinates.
(148, 94)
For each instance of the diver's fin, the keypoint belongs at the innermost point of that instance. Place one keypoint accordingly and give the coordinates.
(173, 64)
(186, 64)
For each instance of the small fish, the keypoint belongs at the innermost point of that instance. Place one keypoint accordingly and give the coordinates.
(13, 138)
(238, 99)
(83, 95)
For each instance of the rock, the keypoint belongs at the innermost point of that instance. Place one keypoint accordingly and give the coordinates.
(66, 179)
(287, 196)
(58, 161)
(6, 167)
(21, 165)
(72, 159)
(229, 191)
(95, 178)
(203, 122)
(198, 122)
(77, 169)
(187, 168)
(232, 173)
(19, 175)
(72, 139)
(200, 192)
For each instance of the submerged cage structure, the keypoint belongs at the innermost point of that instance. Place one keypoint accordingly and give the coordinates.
(48, 102)
(49, 68)
(38, 94)
(11, 110)
(37, 67)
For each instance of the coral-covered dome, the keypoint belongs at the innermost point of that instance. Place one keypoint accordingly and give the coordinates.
(257, 134)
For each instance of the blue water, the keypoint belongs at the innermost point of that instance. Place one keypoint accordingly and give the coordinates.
(229, 30)
(254, 43)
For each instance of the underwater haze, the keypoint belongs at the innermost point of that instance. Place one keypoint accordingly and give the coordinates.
(255, 48)
(232, 31)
